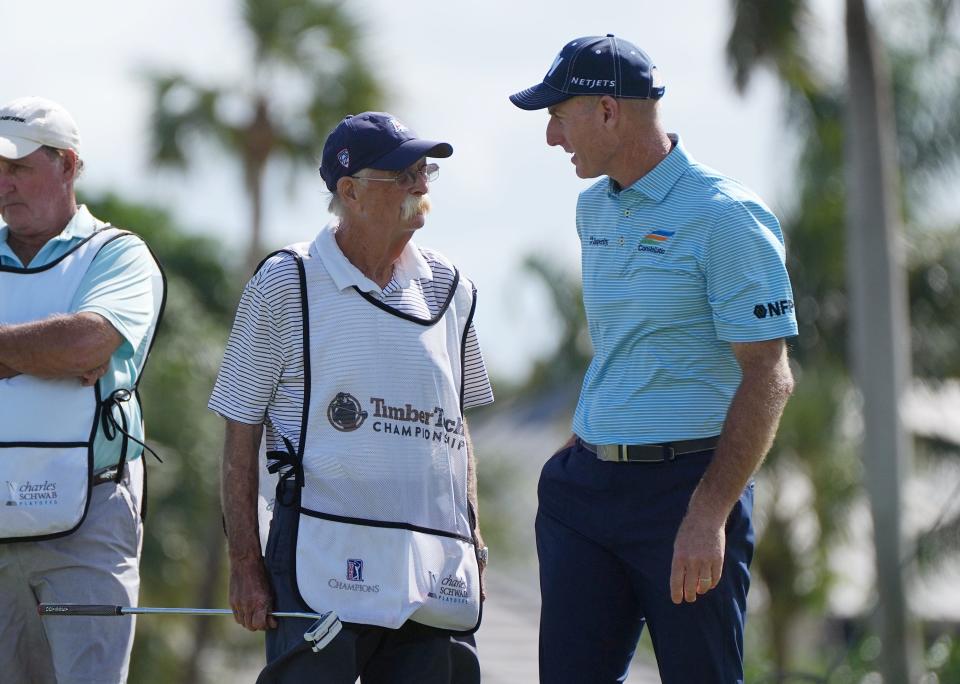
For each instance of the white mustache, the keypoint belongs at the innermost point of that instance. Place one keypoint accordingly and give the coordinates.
(414, 205)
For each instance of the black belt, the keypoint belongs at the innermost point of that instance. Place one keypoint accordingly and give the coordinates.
(649, 453)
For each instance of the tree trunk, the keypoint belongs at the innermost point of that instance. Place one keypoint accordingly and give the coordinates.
(259, 142)
(255, 246)
(879, 322)
(207, 595)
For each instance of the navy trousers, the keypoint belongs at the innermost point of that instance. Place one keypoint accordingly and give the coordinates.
(605, 534)
(414, 653)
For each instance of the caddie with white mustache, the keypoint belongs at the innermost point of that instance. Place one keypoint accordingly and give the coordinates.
(357, 354)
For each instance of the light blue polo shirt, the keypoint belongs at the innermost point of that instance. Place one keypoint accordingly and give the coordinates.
(120, 286)
(675, 268)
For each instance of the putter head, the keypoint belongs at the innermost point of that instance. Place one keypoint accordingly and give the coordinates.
(323, 630)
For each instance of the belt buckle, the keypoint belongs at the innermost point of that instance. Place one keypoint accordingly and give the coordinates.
(607, 452)
(105, 475)
(667, 453)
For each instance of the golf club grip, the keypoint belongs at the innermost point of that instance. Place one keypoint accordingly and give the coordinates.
(77, 609)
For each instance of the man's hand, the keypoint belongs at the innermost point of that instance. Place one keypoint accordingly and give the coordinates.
(250, 596)
(482, 564)
(697, 558)
(88, 378)
(746, 437)
(472, 504)
(7, 372)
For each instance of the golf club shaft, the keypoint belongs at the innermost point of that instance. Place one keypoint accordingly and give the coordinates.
(106, 610)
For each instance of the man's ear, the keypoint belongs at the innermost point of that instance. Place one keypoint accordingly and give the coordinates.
(610, 109)
(347, 189)
(71, 162)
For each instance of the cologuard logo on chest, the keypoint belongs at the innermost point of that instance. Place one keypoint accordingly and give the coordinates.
(655, 241)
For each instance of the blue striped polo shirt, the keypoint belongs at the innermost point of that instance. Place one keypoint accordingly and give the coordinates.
(675, 268)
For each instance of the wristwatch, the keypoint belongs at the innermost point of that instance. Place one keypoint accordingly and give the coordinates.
(483, 555)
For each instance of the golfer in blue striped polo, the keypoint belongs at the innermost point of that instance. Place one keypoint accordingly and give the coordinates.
(645, 513)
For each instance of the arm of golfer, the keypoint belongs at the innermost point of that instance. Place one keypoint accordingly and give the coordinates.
(250, 595)
(472, 499)
(747, 435)
(62, 346)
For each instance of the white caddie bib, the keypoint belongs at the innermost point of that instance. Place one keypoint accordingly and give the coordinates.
(385, 532)
(47, 427)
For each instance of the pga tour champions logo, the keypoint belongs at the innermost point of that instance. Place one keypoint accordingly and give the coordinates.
(345, 413)
(354, 569)
(31, 493)
(354, 579)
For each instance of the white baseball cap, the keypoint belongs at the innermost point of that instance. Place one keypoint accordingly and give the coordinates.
(28, 123)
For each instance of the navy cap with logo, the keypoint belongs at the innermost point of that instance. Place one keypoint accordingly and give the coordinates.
(373, 140)
(594, 65)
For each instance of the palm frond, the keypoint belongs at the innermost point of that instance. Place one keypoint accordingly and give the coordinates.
(182, 109)
(939, 543)
(295, 33)
(769, 33)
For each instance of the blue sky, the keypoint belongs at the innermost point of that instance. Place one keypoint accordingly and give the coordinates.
(449, 66)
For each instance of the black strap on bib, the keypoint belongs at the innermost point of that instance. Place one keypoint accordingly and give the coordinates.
(111, 428)
(290, 466)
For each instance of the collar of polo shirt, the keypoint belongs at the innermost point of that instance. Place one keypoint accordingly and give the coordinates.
(660, 179)
(409, 267)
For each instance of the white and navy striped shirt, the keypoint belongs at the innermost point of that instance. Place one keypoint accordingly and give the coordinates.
(261, 379)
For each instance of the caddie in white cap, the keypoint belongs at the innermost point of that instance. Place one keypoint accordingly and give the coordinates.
(79, 304)
(29, 123)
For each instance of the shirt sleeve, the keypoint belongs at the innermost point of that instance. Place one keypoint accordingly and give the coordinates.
(124, 285)
(476, 384)
(252, 362)
(747, 282)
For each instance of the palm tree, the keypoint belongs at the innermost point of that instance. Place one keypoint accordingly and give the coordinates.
(305, 72)
(879, 320)
(770, 31)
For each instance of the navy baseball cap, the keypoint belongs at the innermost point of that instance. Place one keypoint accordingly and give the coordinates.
(594, 65)
(373, 140)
